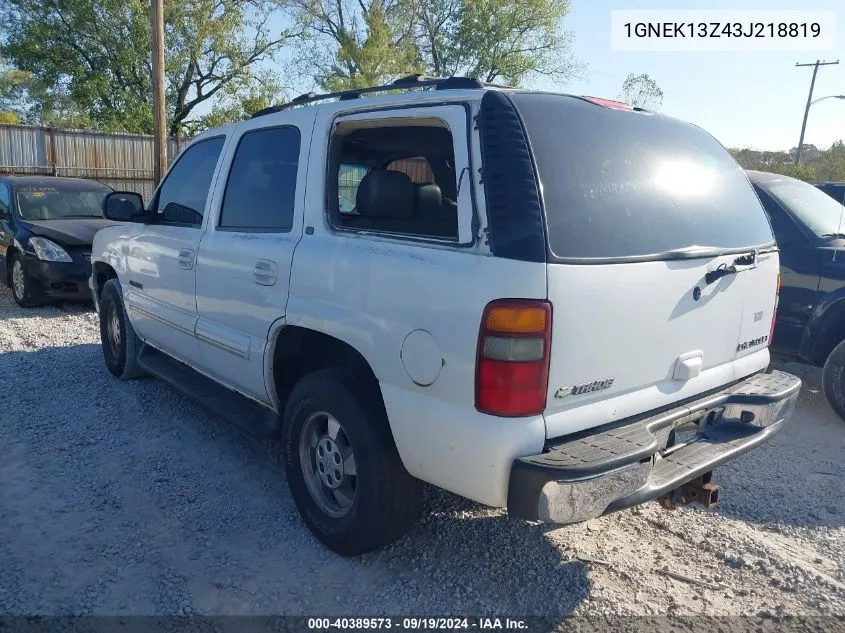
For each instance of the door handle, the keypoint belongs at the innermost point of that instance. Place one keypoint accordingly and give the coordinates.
(186, 259)
(265, 272)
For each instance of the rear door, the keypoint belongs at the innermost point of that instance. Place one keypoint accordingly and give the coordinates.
(639, 209)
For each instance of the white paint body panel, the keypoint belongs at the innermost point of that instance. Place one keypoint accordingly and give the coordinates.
(164, 310)
(633, 321)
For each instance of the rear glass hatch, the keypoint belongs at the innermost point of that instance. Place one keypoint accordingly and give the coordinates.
(637, 209)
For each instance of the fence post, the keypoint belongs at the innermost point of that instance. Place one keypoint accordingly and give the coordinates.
(51, 154)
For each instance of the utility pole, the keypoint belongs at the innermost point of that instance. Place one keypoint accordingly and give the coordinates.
(815, 66)
(159, 113)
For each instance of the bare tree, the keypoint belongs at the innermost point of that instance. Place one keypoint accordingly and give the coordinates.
(642, 91)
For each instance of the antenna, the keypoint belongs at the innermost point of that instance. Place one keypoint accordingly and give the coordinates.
(839, 228)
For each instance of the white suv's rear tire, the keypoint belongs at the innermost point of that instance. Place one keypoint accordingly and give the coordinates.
(120, 343)
(344, 472)
(833, 379)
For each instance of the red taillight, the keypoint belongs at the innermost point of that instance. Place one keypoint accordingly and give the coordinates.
(774, 313)
(512, 366)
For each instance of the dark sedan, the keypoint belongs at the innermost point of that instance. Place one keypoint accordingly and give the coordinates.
(47, 225)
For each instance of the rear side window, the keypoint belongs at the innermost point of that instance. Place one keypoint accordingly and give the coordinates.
(620, 184)
(261, 190)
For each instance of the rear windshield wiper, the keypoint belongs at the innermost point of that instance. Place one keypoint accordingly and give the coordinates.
(839, 235)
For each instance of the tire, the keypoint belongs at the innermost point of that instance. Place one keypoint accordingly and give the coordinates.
(117, 336)
(21, 284)
(833, 379)
(385, 499)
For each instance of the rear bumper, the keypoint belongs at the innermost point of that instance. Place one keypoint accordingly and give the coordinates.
(617, 466)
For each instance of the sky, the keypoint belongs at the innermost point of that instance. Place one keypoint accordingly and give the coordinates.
(753, 100)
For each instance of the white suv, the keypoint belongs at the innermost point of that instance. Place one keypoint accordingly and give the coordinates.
(553, 303)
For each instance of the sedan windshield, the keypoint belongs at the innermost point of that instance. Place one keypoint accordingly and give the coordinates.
(56, 202)
(818, 211)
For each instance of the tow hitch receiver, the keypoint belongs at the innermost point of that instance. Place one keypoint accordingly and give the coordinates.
(699, 491)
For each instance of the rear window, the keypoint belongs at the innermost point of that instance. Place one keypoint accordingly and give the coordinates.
(620, 184)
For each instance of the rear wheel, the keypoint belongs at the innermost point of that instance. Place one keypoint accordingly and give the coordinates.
(344, 472)
(120, 343)
(23, 288)
(833, 379)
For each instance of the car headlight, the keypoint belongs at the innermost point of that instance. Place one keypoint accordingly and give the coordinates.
(48, 251)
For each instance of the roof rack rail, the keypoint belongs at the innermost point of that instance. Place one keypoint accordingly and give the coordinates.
(411, 82)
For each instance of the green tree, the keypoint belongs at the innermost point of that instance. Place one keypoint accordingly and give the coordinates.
(9, 118)
(355, 43)
(820, 165)
(34, 102)
(237, 102)
(642, 91)
(97, 53)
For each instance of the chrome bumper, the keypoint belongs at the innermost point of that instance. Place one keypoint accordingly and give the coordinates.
(617, 466)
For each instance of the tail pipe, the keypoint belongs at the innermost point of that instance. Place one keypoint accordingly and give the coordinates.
(699, 491)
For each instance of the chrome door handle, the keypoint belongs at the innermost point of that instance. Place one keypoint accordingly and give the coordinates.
(265, 272)
(186, 259)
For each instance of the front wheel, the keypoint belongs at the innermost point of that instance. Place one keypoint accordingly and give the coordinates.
(833, 379)
(23, 290)
(343, 469)
(120, 343)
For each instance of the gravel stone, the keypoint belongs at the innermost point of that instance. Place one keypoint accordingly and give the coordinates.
(127, 498)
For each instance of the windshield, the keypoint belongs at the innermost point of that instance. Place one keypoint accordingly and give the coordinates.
(56, 202)
(814, 208)
(621, 184)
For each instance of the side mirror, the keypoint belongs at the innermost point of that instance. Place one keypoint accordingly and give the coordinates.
(124, 206)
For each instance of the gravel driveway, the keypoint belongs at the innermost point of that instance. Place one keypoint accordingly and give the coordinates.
(126, 498)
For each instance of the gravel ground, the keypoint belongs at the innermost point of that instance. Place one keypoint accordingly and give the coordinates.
(126, 498)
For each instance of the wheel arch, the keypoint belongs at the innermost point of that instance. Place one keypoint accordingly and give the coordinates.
(825, 330)
(297, 351)
(10, 251)
(102, 272)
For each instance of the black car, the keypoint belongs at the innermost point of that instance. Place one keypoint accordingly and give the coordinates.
(809, 227)
(47, 225)
(835, 190)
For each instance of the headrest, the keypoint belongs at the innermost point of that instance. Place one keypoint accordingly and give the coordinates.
(429, 199)
(386, 194)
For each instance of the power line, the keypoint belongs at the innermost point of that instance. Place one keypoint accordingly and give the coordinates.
(815, 66)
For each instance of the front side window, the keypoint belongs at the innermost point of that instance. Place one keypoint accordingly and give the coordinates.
(182, 196)
(60, 201)
(261, 190)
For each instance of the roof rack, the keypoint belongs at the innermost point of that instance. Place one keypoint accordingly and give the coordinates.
(411, 82)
